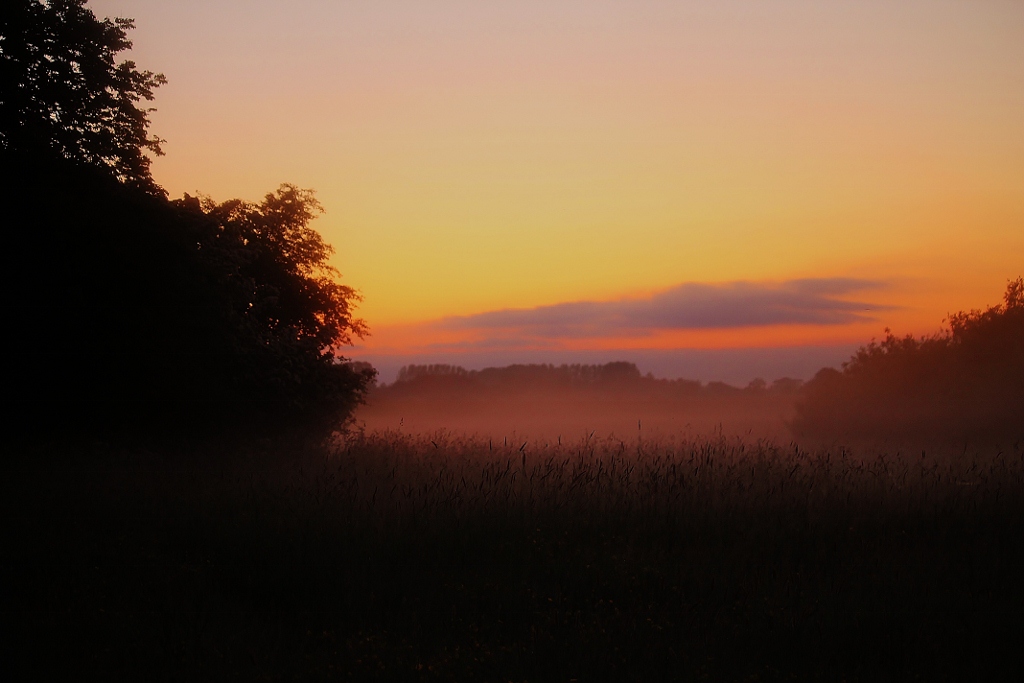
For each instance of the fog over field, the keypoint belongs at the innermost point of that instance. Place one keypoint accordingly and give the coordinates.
(546, 402)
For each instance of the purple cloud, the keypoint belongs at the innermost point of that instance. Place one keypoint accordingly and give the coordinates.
(689, 306)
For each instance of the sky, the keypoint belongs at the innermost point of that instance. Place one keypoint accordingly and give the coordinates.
(717, 190)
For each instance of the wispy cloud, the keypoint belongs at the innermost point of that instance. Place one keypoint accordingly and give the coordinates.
(690, 306)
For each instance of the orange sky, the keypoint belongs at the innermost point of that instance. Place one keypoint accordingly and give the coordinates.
(477, 157)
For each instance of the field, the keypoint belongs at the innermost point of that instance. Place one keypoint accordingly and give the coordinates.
(393, 557)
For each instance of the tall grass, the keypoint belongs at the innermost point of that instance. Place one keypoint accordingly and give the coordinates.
(444, 477)
(442, 557)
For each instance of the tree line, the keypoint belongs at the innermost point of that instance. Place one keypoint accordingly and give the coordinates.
(618, 376)
(965, 382)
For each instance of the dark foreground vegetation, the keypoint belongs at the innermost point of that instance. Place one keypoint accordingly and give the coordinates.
(396, 558)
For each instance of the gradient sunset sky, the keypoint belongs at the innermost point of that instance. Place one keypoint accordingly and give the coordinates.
(692, 185)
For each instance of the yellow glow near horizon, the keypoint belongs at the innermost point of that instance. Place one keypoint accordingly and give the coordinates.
(474, 157)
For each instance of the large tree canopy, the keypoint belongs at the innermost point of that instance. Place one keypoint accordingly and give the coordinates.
(63, 92)
(135, 312)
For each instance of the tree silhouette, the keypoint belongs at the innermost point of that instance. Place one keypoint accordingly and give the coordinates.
(279, 265)
(62, 92)
(134, 313)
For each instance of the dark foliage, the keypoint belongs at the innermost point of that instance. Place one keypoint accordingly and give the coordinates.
(130, 313)
(139, 314)
(525, 375)
(964, 383)
(63, 94)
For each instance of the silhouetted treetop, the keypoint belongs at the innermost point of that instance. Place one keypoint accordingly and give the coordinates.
(63, 92)
(277, 267)
(183, 317)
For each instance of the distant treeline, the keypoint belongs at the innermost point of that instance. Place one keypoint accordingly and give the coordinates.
(616, 376)
(966, 382)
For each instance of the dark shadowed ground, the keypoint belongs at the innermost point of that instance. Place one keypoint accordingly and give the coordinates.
(390, 557)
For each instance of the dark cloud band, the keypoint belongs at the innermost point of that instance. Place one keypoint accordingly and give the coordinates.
(688, 307)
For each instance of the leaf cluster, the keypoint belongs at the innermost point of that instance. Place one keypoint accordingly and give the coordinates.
(277, 267)
(63, 92)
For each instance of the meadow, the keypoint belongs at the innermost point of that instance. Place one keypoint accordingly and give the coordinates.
(392, 556)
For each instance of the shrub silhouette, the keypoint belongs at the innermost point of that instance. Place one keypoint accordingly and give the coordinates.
(130, 312)
(966, 382)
